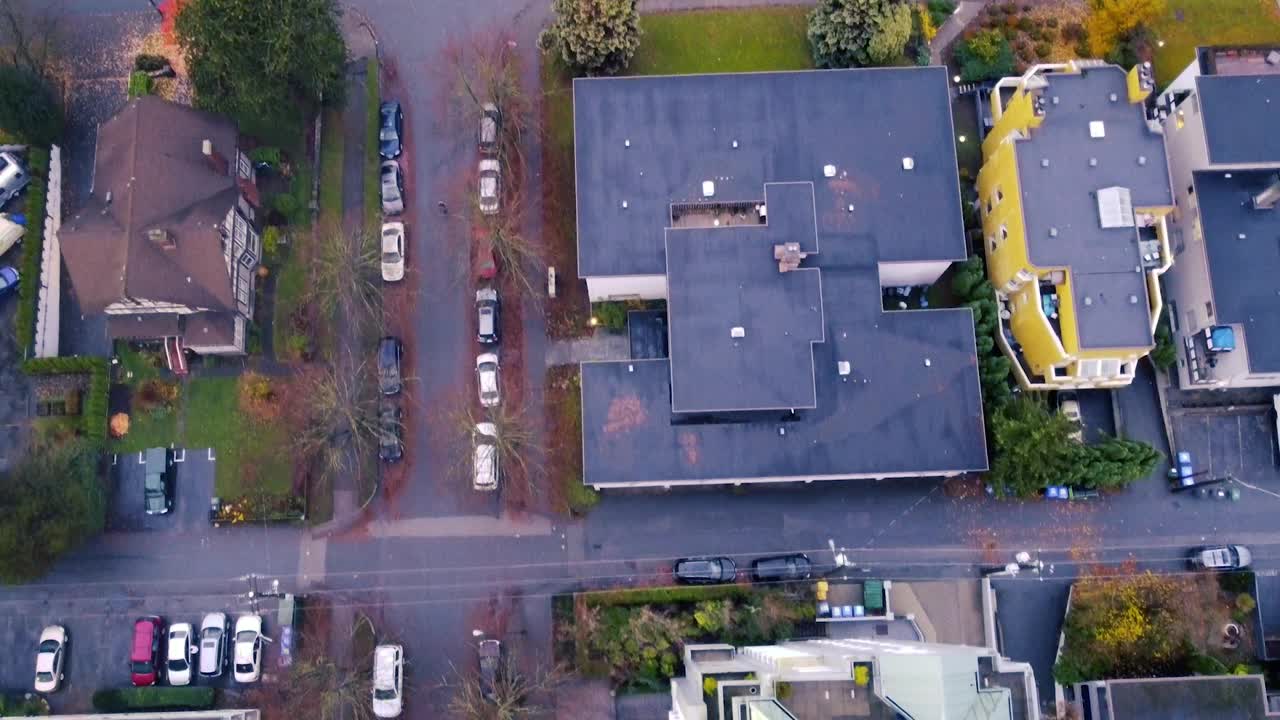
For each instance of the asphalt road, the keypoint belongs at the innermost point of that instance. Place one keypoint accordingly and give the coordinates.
(430, 565)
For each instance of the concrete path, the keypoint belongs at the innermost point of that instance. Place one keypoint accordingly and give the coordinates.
(601, 346)
(648, 6)
(965, 12)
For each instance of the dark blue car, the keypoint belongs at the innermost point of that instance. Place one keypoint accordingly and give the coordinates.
(392, 126)
(8, 280)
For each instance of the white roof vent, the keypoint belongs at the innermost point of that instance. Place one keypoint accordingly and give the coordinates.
(1115, 207)
(708, 188)
(844, 368)
(908, 163)
(1097, 129)
(828, 170)
(737, 332)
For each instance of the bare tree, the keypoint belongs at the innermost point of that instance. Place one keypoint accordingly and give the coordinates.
(518, 453)
(339, 418)
(345, 275)
(29, 34)
(518, 256)
(514, 694)
(485, 68)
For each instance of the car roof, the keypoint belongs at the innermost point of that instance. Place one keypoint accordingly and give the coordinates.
(249, 622)
(384, 658)
(142, 629)
(214, 619)
(489, 164)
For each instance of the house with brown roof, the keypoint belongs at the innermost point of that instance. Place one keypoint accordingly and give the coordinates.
(166, 246)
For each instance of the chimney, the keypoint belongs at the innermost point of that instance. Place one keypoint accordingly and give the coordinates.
(162, 239)
(788, 256)
(216, 162)
(1268, 198)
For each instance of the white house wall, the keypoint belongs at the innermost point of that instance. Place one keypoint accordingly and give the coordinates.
(49, 296)
(900, 274)
(627, 287)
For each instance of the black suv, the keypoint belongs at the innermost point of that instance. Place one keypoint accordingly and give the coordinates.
(389, 366)
(781, 568)
(390, 447)
(705, 570)
(391, 129)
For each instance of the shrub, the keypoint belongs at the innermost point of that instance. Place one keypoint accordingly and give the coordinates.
(155, 395)
(118, 700)
(593, 36)
(984, 56)
(266, 154)
(150, 63)
(850, 33)
(1043, 50)
(1072, 32)
(611, 315)
(139, 84)
(271, 246)
(258, 398)
(1202, 664)
(668, 595)
(29, 106)
(1026, 24)
(24, 318)
(1051, 21)
(38, 161)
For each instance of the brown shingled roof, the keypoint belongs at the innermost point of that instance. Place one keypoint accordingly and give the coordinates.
(149, 162)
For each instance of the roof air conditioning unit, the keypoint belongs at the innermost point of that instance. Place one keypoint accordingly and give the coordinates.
(708, 188)
(737, 332)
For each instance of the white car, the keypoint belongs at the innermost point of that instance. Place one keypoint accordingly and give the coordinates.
(490, 186)
(247, 655)
(178, 657)
(388, 680)
(392, 251)
(50, 657)
(214, 635)
(485, 457)
(487, 379)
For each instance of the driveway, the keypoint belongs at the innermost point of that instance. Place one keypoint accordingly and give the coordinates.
(192, 489)
(1239, 442)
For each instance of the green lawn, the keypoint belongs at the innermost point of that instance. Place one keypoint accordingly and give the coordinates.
(331, 154)
(1211, 22)
(148, 430)
(723, 41)
(246, 451)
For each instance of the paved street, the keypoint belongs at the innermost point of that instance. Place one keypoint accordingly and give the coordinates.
(430, 562)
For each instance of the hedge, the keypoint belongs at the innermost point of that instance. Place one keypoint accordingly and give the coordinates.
(117, 700)
(32, 251)
(669, 595)
(94, 415)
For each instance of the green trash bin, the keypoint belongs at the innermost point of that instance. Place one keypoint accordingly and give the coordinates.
(873, 597)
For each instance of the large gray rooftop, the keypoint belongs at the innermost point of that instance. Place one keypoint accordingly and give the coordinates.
(1243, 248)
(653, 141)
(1241, 113)
(1228, 697)
(1061, 169)
(721, 278)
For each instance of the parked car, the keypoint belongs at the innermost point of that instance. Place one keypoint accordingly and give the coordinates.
(391, 130)
(705, 570)
(485, 457)
(390, 444)
(484, 262)
(490, 666)
(1221, 557)
(144, 654)
(388, 680)
(247, 654)
(781, 567)
(487, 379)
(490, 186)
(157, 486)
(179, 655)
(392, 188)
(51, 655)
(1069, 406)
(8, 280)
(389, 351)
(10, 231)
(490, 127)
(215, 632)
(13, 176)
(393, 251)
(487, 310)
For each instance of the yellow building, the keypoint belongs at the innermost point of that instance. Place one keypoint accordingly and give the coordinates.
(1074, 190)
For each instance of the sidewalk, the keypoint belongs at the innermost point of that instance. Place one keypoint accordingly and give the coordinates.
(965, 13)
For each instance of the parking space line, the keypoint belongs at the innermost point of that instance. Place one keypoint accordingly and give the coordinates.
(179, 455)
(211, 457)
(142, 460)
(114, 459)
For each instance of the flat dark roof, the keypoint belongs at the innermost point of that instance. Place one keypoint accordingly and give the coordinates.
(1228, 697)
(1060, 199)
(1243, 271)
(721, 278)
(1241, 114)
(653, 141)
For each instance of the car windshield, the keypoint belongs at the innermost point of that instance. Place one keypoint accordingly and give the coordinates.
(390, 257)
(488, 129)
(244, 668)
(488, 187)
(48, 646)
(177, 665)
(212, 633)
(384, 694)
(246, 636)
(388, 133)
(141, 667)
(488, 380)
(44, 677)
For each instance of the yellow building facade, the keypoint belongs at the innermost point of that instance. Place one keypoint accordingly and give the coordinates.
(1073, 194)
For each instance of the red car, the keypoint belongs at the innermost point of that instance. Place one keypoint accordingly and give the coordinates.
(144, 655)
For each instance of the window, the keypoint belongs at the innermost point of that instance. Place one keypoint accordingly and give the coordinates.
(993, 244)
(248, 260)
(999, 195)
(988, 206)
(1173, 316)
(1208, 309)
(1004, 232)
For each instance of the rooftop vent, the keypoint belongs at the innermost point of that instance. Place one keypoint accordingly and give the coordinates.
(162, 238)
(1093, 162)
(1115, 207)
(1264, 200)
(844, 368)
(1097, 129)
(737, 332)
(1142, 160)
(908, 163)
(828, 171)
(1044, 162)
(626, 143)
(735, 144)
(1053, 232)
(624, 204)
(1273, 57)
(708, 188)
(788, 256)
(1113, 97)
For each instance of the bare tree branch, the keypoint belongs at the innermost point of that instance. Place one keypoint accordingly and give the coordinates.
(345, 275)
(519, 454)
(514, 695)
(29, 36)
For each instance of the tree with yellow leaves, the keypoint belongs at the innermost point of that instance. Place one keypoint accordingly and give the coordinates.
(1112, 22)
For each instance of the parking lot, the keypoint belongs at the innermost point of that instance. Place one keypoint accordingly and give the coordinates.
(1240, 442)
(192, 488)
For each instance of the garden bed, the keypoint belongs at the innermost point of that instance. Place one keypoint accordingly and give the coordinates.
(563, 396)
(636, 637)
